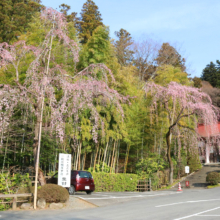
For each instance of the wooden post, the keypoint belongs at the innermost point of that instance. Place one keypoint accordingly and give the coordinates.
(14, 204)
(38, 154)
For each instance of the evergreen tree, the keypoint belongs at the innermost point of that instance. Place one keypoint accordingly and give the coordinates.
(64, 8)
(90, 19)
(15, 16)
(212, 74)
(123, 52)
(169, 55)
(97, 49)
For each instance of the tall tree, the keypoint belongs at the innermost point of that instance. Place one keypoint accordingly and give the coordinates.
(15, 16)
(122, 45)
(48, 85)
(145, 53)
(211, 73)
(64, 8)
(169, 55)
(97, 49)
(180, 104)
(90, 19)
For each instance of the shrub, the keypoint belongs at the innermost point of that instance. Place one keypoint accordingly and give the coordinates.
(53, 193)
(150, 165)
(106, 182)
(213, 178)
(11, 184)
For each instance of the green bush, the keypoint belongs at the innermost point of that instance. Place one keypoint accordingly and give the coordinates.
(146, 168)
(10, 184)
(213, 178)
(194, 162)
(106, 182)
(53, 193)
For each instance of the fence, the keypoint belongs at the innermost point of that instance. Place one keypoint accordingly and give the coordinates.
(32, 178)
(144, 185)
(15, 197)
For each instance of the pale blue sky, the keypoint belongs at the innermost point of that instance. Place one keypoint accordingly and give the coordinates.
(192, 25)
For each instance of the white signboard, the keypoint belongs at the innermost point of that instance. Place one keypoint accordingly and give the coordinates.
(186, 169)
(64, 171)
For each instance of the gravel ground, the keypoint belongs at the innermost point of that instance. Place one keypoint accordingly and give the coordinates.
(77, 203)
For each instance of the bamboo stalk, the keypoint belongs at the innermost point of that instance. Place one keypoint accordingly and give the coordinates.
(91, 161)
(104, 156)
(126, 159)
(3, 166)
(99, 157)
(115, 157)
(113, 152)
(80, 147)
(118, 155)
(97, 149)
(84, 160)
(109, 157)
(77, 157)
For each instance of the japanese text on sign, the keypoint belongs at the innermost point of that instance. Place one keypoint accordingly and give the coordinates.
(64, 171)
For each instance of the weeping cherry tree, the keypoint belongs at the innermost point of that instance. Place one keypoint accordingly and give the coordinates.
(180, 103)
(45, 79)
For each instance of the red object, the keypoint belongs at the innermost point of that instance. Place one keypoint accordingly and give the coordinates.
(80, 181)
(179, 187)
(208, 130)
(187, 183)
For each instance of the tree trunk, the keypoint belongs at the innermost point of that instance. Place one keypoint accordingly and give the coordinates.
(36, 137)
(113, 155)
(6, 148)
(99, 156)
(104, 157)
(169, 156)
(126, 158)
(97, 150)
(79, 163)
(41, 177)
(84, 161)
(77, 157)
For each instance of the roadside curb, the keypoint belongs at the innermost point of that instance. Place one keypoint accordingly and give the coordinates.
(87, 201)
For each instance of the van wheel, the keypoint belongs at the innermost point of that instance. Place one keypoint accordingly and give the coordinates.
(72, 190)
(89, 192)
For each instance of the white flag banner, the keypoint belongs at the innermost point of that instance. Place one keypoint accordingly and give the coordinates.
(64, 171)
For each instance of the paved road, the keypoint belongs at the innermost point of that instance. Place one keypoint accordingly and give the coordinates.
(190, 204)
(110, 198)
(198, 179)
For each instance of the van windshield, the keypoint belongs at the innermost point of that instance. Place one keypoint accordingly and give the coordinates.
(85, 174)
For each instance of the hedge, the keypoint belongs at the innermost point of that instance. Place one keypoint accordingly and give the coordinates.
(53, 193)
(213, 178)
(106, 182)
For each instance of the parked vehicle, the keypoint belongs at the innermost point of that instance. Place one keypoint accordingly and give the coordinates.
(80, 181)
